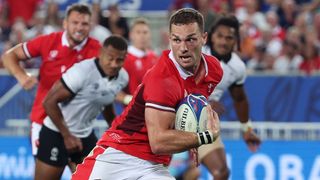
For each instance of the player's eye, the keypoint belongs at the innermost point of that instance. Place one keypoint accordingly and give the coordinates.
(176, 40)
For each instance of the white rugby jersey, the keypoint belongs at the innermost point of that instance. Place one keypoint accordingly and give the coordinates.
(234, 72)
(92, 90)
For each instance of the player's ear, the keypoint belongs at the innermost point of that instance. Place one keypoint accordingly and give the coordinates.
(64, 23)
(204, 38)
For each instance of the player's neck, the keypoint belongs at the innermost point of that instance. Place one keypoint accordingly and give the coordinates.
(224, 58)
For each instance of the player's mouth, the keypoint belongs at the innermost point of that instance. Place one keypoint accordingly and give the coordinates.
(185, 58)
(78, 34)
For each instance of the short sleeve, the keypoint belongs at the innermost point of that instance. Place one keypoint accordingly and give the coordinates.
(74, 77)
(33, 47)
(162, 93)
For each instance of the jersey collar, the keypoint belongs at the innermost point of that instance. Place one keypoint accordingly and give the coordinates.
(96, 61)
(136, 52)
(183, 73)
(66, 43)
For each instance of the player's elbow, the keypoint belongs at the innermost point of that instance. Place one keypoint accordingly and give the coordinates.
(5, 59)
(47, 103)
(157, 148)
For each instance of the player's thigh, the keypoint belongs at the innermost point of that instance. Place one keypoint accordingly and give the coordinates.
(51, 148)
(35, 131)
(45, 171)
(213, 155)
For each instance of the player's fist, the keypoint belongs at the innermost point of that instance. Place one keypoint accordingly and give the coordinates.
(27, 81)
(252, 140)
(213, 123)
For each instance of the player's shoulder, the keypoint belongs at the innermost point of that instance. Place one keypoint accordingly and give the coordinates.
(85, 65)
(54, 37)
(163, 67)
(163, 71)
(213, 64)
(123, 75)
(93, 43)
(237, 62)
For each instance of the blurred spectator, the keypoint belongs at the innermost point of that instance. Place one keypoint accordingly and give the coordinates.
(18, 31)
(257, 62)
(250, 12)
(140, 58)
(310, 53)
(273, 20)
(204, 7)
(287, 13)
(316, 27)
(247, 43)
(115, 22)
(98, 31)
(178, 4)
(22, 9)
(302, 21)
(290, 59)
(272, 43)
(52, 18)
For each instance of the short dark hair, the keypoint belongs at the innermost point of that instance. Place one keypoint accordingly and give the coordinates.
(186, 16)
(117, 42)
(225, 20)
(79, 7)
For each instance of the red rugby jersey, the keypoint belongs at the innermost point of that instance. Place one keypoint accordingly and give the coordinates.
(56, 57)
(137, 63)
(163, 87)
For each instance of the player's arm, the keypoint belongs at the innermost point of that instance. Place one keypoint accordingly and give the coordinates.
(123, 98)
(241, 106)
(60, 93)
(166, 140)
(11, 59)
(109, 114)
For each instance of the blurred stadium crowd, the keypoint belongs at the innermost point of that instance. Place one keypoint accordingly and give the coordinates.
(282, 36)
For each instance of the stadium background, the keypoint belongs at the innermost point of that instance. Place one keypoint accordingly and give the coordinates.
(285, 109)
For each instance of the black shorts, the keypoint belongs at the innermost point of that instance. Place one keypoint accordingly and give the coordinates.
(52, 150)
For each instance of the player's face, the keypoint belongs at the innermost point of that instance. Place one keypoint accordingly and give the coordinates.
(186, 42)
(140, 36)
(223, 40)
(77, 26)
(111, 60)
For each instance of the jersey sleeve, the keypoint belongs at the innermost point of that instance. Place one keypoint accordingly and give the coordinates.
(74, 77)
(241, 70)
(161, 93)
(33, 48)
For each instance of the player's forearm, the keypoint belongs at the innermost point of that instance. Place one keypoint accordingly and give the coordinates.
(11, 63)
(173, 141)
(242, 110)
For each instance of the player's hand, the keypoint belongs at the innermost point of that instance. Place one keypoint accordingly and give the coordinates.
(217, 107)
(27, 81)
(194, 157)
(213, 123)
(252, 140)
(72, 143)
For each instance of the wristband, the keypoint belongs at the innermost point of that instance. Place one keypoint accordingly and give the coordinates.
(205, 137)
(246, 126)
(127, 99)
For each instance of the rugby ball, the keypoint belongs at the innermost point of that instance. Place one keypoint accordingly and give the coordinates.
(191, 114)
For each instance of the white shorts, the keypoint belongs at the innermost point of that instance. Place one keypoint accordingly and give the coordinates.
(35, 131)
(109, 163)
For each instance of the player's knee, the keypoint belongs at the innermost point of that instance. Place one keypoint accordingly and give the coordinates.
(221, 174)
